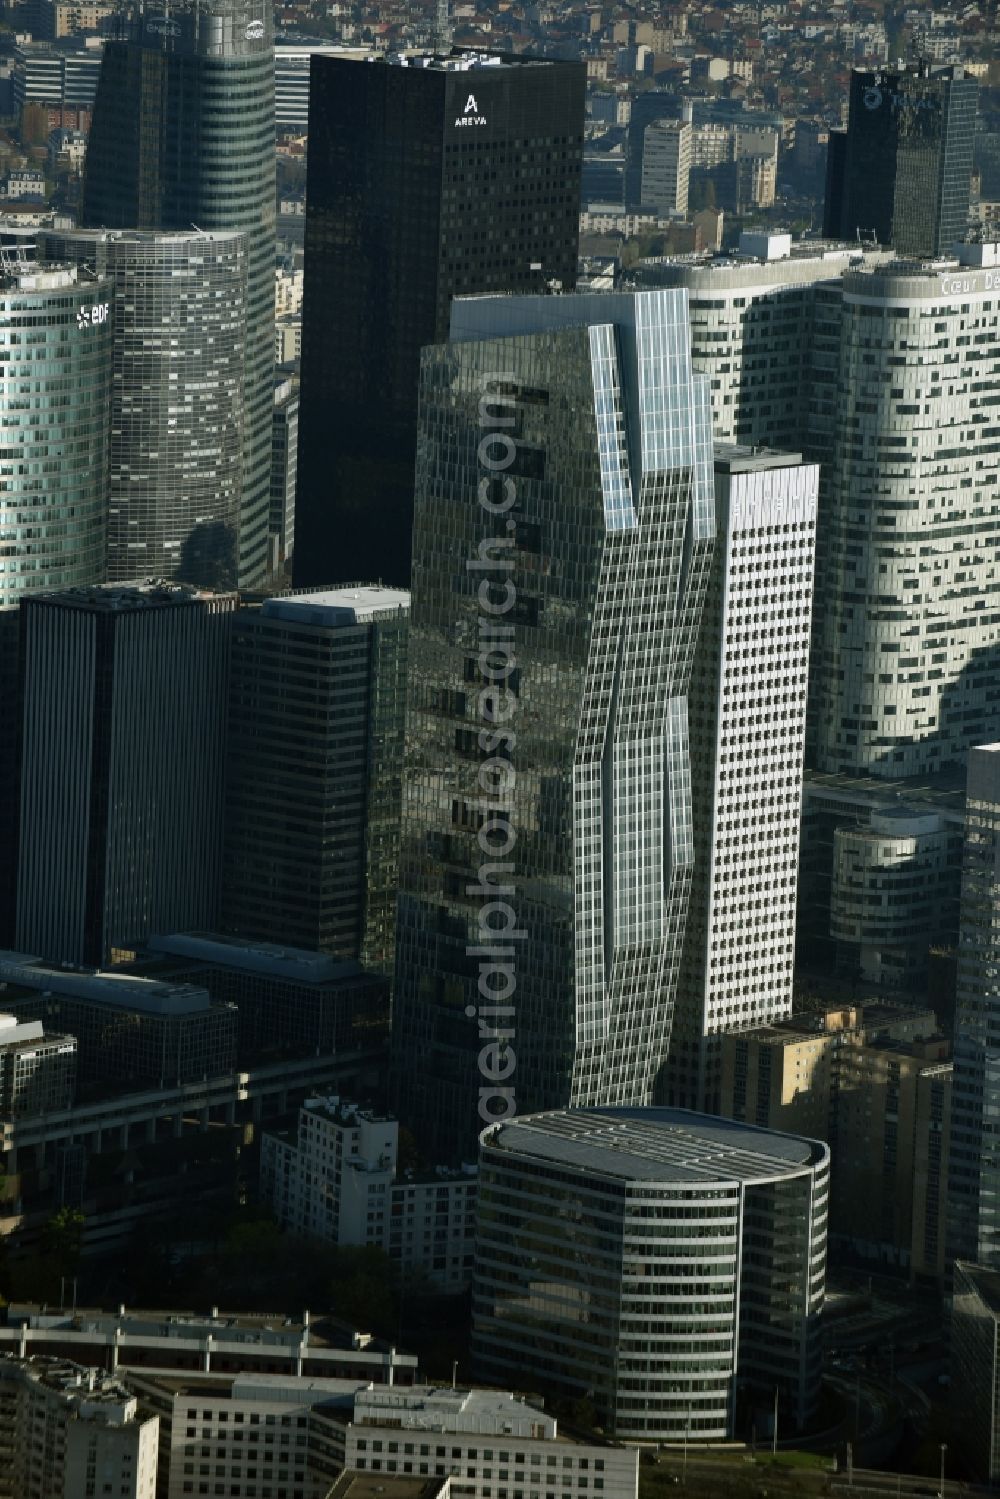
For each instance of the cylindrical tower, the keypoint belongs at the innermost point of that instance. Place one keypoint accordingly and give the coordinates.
(182, 138)
(177, 398)
(55, 373)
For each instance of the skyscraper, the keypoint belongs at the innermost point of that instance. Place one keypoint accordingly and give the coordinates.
(183, 138)
(178, 352)
(905, 679)
(547, 785)
(748, 721)
(124, 699)
(903, 174)
(314, 765)
(666, 166)
(55, 380)
(974, 1164)
(429, 178)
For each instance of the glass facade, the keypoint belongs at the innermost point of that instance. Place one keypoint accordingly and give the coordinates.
(55, 336)
(974, 1166)
(604, 530)
(182, 138)
(317, 691)
(903, 172)
(650, 1260)
(413, 198)
(178, 360)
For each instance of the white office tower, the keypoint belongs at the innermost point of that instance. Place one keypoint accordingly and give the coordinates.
(906, 676)
(748, 722)
(666, 166)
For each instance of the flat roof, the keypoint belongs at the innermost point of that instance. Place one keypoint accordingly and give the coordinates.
(740, 458)
(256, 957)
(656, 1145)
(337, 606)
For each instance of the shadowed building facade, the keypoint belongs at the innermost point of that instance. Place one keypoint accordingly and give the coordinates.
(547, 762)
(429, 178)
(183, 138)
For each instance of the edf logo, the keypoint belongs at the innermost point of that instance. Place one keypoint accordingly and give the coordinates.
(89, 317)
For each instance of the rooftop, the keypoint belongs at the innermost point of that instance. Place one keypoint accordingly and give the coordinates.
(297, 963)
(355, 1485)
(124, 990)
(338, 606)
(119, 598)
(660, 1145)
(737, 458)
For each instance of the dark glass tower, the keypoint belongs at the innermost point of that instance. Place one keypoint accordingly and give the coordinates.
(429, 178)
(904, 170)
(562, 544)
(182, 138)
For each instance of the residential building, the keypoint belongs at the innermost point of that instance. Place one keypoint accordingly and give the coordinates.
(748, 723)
(666, 166)
(902, 175)
(182, 138)
(570, 1288)
(974, 1166)
(177, 401)
(550, 656)
(314, 767)
(430, 177)
(55, 389)
(975, 1367)
(128, 1030)
(873, 1081)
(336, 1177)
(911, 612)
(123, 728)
(71, 1431)
(37, 1069)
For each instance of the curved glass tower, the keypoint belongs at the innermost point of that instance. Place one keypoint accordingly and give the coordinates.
(182, 138)
(55, 368)
(178, 354)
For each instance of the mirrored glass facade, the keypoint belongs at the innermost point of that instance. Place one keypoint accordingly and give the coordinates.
(651, 1261)
(903, 172)
(563, 533)
(182, 138)
(178, 365)
(429, 178)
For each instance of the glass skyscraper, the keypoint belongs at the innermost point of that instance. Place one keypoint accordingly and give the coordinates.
(183, 138)
(317, 692)
(429, 178)
(562, 537)
(903, 172)
(178, 365)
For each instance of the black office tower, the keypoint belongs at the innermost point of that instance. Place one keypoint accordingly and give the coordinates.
(902, 174)
(183, 138)
(429, 178)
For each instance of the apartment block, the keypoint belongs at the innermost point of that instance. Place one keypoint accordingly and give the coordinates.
(69, 1432)
(335, 1178)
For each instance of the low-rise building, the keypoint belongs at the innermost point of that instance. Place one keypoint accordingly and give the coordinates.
(335, 1177)
(37, 1069)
